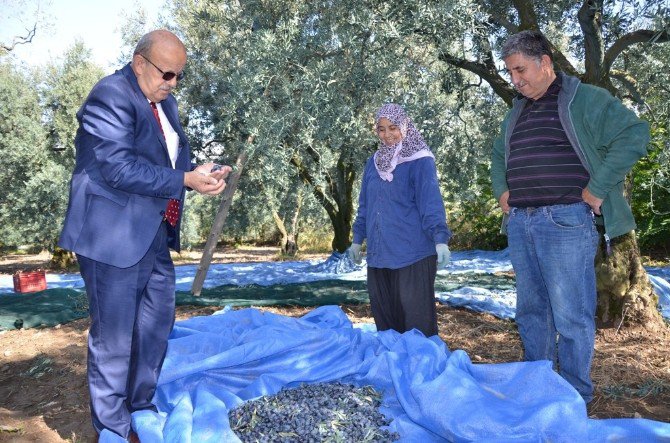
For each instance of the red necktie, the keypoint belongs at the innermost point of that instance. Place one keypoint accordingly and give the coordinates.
(172, 210)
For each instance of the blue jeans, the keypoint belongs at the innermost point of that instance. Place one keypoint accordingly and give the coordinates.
(552, 249)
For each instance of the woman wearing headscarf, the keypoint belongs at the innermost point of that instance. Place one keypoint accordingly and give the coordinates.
(401, 214)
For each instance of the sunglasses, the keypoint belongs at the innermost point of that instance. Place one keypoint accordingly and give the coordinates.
(167, 76)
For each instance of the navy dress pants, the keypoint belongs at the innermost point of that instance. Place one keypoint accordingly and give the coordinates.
(132, 313)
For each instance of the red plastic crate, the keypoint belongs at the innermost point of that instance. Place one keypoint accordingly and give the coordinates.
(30, 281)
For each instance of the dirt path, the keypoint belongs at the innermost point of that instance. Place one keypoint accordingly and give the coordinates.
(44, 396)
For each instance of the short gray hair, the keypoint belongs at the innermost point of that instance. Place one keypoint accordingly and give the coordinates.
(144, 45)
(529, 43)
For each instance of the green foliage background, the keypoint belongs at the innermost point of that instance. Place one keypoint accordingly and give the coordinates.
(294, 84)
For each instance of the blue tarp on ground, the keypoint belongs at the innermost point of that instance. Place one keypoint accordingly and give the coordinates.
(215, 363)
(499, 301)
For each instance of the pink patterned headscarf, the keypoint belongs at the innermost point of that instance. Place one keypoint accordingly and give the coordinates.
(411, 147)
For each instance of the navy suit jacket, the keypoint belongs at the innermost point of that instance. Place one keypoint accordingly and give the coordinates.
(123, 177)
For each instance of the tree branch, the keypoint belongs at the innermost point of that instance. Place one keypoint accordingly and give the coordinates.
(21, 40)
(316, 157)
(630, 84)
(630, 39)
(499, 84)
(318, 191)
(527, 16)
(510, 27)
(590, 16)
(562, 63)
(211, 142)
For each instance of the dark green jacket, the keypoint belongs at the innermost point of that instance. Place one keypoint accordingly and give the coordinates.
(608, 138)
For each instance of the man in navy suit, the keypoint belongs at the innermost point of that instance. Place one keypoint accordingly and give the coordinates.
(132, 160)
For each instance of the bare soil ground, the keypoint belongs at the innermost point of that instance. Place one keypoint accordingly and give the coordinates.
(44, 396)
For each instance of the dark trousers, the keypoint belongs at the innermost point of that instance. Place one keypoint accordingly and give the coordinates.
(132, 313)
(404, 299)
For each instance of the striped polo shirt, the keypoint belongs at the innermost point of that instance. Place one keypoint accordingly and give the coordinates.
(543, 168)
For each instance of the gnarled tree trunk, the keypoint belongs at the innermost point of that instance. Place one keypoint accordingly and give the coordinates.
(625, 294)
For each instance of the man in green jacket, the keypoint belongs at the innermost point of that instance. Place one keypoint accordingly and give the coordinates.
(557, 169)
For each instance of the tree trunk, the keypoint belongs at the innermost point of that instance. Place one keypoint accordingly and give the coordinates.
(281, 227)
(289, 244)
(291, 248)
(625, 294)
(342, 228)
(289, 239)
(336, 198)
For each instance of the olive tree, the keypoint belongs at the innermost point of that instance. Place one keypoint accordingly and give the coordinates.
(302, 80)
(37, 130)
(23, 144)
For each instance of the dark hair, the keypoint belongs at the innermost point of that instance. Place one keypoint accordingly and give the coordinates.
(532, 44)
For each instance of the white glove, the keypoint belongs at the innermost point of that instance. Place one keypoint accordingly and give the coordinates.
(354, 253)
(443, 255)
